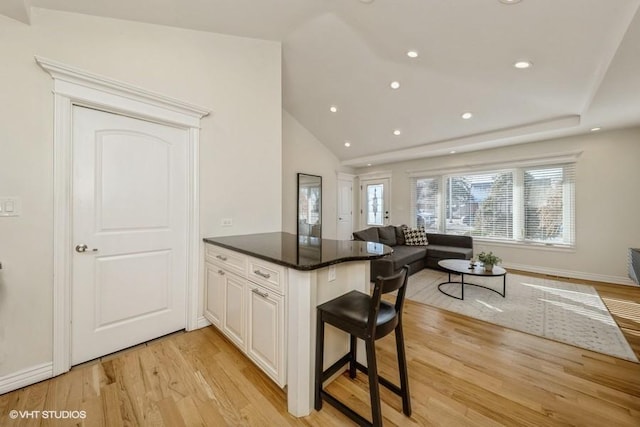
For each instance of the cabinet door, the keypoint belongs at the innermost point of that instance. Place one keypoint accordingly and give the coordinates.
(233, 323)
(214, 293)
(265, 334)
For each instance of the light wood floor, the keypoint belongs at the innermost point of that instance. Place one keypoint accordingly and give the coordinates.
(462, 372)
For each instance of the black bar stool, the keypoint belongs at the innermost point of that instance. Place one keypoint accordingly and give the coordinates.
(368, 318)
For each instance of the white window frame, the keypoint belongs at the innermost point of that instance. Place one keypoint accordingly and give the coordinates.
(517, 167)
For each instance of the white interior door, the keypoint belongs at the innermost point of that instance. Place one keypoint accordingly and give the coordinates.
(345, 209)
(375, 207)
(129, 231)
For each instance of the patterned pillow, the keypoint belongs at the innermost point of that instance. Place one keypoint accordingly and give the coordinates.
(415, 237)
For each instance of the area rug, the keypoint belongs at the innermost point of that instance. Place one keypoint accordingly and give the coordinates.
(566, 312)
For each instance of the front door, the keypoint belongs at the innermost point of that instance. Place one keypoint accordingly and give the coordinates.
(129, 232)
(375, 202)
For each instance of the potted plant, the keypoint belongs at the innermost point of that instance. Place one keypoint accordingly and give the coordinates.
(489, 260)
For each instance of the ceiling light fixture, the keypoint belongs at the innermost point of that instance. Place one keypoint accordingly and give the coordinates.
(394, 84)
(333, 109)
(368, 164)
(506, 1)
(412, 54)
(452, 152)
(347, 144)
(366, 1)
(397, 132)
(466, 115)
(595, 129)
(522, 65)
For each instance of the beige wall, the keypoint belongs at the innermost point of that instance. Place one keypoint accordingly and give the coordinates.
(239, 79)
(303, 152)
(607, 202)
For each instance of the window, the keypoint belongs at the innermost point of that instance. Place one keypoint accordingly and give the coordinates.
(480, 205)
(426, 197)
(548, 204)
(521, 205)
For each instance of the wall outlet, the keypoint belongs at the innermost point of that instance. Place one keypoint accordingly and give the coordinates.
(10, 206)
(332, 273)
(226, 222)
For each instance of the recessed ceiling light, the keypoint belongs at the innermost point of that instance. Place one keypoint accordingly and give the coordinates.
(347, 144)
(333, 109)
(452, 152)
(595, 129)
(466, 115)
(394, 84)
(397, 132)
(368, 164)
(523, 64)
(366, 1)
(506, 1)
(412, 54)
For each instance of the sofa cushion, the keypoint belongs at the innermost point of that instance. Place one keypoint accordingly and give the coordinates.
(400, 234)
(368, 235)
(387, 235)
(415, 237)
(407, 254)
(444, 252)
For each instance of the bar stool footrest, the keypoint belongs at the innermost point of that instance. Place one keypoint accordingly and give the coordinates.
(345, 409)
(382, 380)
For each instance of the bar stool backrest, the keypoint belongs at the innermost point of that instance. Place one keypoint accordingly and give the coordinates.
(385, 285)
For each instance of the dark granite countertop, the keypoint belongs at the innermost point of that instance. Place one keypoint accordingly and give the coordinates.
(300, 253)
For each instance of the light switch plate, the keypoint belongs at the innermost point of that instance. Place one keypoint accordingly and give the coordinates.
(10, 206)
(226, 222)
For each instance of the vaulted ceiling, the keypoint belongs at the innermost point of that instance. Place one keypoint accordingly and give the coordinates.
(585, 71)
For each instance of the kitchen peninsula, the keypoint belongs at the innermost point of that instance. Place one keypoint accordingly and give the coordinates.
(261, 291)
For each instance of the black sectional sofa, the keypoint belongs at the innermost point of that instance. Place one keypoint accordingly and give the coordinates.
(440, 246)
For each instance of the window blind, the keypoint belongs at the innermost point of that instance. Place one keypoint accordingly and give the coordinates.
(549, 208)
(426, 206)
(480, 205)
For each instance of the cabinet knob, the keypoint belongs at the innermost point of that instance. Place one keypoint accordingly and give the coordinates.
(220, 272)
(222, 258)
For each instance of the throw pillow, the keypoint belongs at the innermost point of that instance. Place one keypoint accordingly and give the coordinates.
(368, 235)
(415, 237)
(387, 235)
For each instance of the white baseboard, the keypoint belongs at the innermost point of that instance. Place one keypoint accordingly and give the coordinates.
(572, 274)
(202, 322)
(26, 377)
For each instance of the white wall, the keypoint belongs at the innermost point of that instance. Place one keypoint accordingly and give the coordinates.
(607, 202)
(239, 79)
(303, 152)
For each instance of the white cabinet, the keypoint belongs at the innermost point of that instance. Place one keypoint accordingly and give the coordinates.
(214, 278)
(245, 298)
(235, 316)
(265, 332)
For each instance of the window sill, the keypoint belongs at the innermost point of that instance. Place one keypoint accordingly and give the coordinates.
(525, 245)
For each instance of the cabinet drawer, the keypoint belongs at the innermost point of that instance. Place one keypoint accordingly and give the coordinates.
(232, 261)
(269, 275)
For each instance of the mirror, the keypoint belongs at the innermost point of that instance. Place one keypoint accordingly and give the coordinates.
(309, 205)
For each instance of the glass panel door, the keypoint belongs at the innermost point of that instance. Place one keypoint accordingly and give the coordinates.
(375, 202)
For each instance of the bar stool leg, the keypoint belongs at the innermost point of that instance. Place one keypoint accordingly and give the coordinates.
(374, 388)
(402, 369)
(353, 353)
(319, 357)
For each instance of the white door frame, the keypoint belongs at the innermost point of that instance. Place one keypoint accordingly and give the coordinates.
(72, 86)
(371, 176)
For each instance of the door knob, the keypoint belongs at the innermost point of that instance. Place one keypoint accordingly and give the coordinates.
(83, 248)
